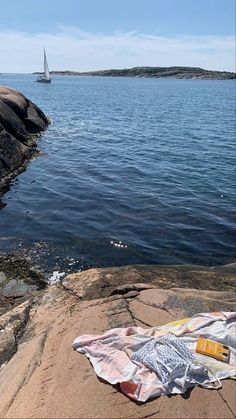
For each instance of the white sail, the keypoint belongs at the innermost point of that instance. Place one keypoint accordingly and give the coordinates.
(46, 70)
(45, 78)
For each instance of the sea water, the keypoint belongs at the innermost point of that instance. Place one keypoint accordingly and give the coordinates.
(132, 170)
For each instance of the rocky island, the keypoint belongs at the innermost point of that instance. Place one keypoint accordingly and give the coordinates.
(156, 72)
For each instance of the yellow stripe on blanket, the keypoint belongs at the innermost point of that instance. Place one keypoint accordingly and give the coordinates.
(178, 322)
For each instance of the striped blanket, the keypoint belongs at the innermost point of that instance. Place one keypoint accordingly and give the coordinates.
(115, 355)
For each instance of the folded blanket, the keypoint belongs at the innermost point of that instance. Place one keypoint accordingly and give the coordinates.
(161, 360)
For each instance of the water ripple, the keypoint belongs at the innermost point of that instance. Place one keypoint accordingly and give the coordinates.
(150, 163)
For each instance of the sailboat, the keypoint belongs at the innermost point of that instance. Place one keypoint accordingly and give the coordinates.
(45, 78)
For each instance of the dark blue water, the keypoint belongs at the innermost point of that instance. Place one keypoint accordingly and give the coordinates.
(132, 171)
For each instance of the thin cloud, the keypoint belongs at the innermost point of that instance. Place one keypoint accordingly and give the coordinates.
(74, 49)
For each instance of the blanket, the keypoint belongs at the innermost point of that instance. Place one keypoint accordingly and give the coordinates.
(142, 362)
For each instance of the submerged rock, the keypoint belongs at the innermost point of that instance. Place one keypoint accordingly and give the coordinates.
(19, 281)
(20, 122)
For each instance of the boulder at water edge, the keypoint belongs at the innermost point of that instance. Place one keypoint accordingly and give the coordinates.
(20, 122)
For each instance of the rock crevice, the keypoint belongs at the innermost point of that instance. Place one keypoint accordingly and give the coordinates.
(46, 378)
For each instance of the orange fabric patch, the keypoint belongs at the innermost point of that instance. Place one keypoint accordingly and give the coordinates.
(128, 388)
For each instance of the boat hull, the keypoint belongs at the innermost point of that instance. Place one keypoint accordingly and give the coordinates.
(43, 80)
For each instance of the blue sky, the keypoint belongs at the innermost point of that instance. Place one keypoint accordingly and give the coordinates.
(96, 34)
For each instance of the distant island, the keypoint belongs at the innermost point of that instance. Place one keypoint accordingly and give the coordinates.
(155, 72)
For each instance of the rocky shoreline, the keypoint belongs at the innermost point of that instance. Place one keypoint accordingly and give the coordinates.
(41, 376)
(20, 280)
(21, 122)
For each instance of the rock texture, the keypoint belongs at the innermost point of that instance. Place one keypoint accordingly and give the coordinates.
(42, 377)
(19, 281)
(20, 122)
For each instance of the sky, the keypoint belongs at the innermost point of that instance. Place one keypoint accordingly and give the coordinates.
(83, 35)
